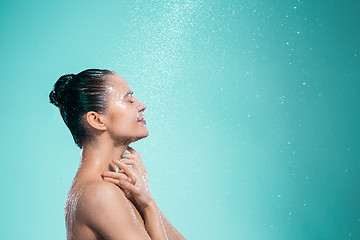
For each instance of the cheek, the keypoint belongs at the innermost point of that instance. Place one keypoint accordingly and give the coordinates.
(123, 119)
(120, 105)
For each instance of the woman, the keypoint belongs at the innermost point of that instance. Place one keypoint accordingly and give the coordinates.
(104, 117)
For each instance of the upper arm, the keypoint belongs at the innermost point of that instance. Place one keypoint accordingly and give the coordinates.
(105, 209)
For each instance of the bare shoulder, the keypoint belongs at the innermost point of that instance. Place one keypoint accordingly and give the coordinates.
(98, 196)
(104, 208)
(98, 190)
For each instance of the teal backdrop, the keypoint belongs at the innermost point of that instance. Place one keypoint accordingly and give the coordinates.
(252, 108)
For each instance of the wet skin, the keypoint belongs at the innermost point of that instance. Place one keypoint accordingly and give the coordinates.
(103, 203)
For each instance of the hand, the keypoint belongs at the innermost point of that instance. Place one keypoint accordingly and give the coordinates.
(132, 180)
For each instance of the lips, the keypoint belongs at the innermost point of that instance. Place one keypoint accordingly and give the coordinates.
(142, 120)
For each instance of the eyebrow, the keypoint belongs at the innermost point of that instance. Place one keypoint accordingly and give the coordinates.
(128, 93)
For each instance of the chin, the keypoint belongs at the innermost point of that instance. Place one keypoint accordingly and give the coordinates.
(145, 135)
(130, 139)
(137, 138)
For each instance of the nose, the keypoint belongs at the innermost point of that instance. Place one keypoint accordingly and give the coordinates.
(141, 106)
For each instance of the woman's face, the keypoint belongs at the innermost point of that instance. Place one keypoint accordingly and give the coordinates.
(124, 115)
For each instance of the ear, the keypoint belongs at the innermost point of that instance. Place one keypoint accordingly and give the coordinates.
(95, 120)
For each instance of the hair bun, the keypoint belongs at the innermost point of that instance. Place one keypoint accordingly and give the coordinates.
(57, 95)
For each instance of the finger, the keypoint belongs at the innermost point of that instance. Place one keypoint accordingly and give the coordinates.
(136, 163)
(132, 163)
(135, 159)
(112, 180)
(126, 169)
(132, 150)
(128, 155)
(117, 176)
(125, 185)
(135, 154)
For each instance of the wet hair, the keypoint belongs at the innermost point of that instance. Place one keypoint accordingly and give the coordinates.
(77, 94)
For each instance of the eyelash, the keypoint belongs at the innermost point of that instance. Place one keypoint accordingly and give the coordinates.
(131, 101)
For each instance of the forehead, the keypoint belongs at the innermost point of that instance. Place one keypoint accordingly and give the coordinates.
(118, 84)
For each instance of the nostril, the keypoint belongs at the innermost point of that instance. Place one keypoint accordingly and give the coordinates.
(142, 107)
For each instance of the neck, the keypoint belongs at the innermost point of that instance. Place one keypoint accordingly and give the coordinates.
(97, 157)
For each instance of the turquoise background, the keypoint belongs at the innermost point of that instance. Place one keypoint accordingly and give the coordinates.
(252, 108)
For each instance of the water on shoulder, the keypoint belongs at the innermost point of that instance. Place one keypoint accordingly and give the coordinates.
(71, 206)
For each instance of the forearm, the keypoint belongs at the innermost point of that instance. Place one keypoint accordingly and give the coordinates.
(154, 223)
(171, 231)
